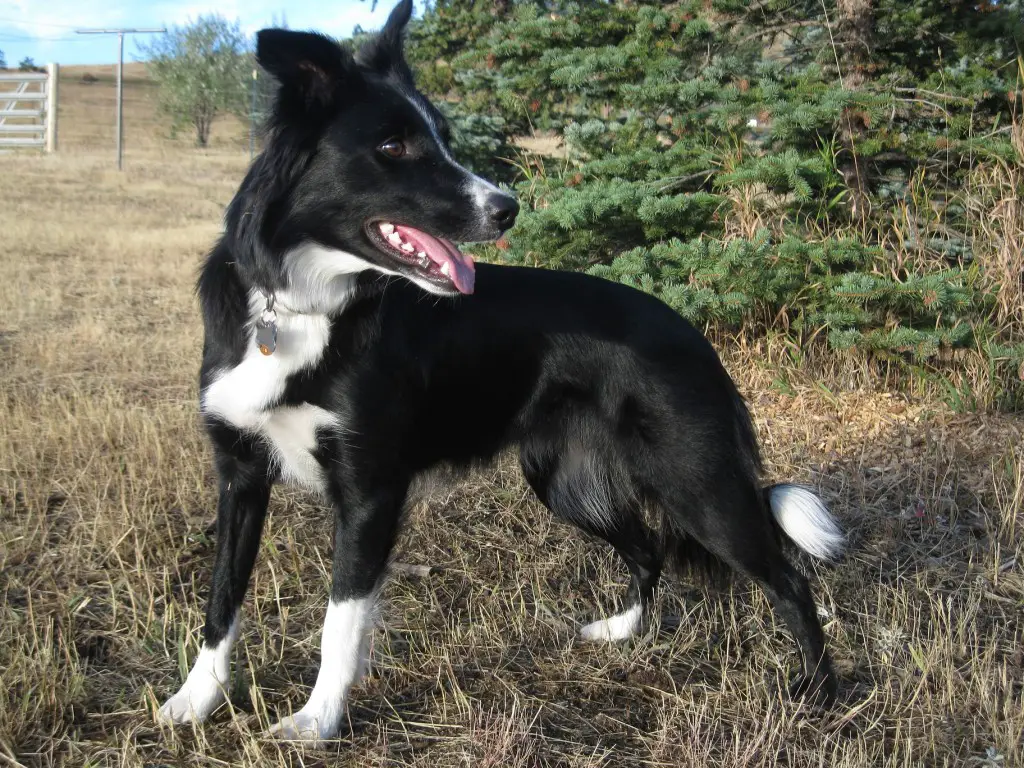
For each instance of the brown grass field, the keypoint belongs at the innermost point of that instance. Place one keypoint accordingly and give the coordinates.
(106, 540)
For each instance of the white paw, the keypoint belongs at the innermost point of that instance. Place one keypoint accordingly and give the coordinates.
(192, 704)
(305, 726)
(621, 626)
(344, 654)
(203, 690)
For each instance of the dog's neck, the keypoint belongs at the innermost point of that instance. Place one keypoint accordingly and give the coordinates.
(317, 281)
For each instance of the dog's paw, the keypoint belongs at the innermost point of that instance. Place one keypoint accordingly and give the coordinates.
(310, 727)
(192, 704)
(614, 629)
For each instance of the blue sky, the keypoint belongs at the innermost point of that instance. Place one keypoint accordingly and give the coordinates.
(45, 29)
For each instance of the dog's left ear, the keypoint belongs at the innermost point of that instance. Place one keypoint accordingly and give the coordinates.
(310, 66)
(384, 52)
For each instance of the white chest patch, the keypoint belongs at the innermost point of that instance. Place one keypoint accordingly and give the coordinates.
(291, 433)
(243, 396)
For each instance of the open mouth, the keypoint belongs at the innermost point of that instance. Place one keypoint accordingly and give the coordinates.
(427, 257)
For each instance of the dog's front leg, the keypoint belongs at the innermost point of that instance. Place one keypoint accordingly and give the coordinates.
(365, 523)
(244, 494)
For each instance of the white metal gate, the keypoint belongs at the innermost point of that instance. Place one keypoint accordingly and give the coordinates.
(28, 109)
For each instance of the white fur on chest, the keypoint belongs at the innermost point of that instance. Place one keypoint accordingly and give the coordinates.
(291, 433)
(244, 396)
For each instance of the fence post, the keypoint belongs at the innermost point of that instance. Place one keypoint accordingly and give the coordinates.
(53, 70)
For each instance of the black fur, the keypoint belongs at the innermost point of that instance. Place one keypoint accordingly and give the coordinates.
(614, 402)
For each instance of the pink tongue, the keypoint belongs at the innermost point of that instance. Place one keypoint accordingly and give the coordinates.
(441, 252)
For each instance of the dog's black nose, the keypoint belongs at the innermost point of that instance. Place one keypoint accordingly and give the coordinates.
(503, 210)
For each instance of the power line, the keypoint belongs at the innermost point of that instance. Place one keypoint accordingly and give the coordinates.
(121, 32)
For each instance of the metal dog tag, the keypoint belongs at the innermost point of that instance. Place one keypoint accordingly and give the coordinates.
(266, 333)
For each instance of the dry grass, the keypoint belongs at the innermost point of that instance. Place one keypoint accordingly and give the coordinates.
(997, 212)
(544, 144)
(106, 512)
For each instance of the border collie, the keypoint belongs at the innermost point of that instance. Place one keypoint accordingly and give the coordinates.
(351, 347)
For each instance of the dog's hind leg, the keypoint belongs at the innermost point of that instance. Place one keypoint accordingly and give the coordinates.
(244, 494)
(584, 488)
(366, 516)
(729, 520)
(637, 547)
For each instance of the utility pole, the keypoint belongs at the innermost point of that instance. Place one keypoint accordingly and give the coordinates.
(120, 74)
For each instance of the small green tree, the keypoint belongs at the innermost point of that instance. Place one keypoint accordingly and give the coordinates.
(203, 70)
(27, 64)
(3, 61)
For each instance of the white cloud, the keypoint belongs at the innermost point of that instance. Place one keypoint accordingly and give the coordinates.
(44, 29)
(341, 21)
(256, 14)
(59, 18)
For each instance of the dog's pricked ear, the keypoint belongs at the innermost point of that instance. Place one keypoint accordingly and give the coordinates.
(305, 63)
(397, 21)
(384, 51)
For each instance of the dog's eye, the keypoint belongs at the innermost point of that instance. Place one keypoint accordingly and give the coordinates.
(392, 148)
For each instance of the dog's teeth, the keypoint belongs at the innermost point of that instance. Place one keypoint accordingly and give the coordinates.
(445, 269)
(386, 228)
(422, 256)
(395, 239)
(407, 248)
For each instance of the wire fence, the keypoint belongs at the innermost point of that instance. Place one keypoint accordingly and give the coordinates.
(88, 108)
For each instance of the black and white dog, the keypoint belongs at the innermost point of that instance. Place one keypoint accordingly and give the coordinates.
(350, 347)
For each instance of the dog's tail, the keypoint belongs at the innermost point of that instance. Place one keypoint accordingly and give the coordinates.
(805, 519)
(797, 511)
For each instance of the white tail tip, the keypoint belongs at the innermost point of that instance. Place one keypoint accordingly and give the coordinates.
(805, 519)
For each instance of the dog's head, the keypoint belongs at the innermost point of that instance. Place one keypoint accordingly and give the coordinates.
(358, 171)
